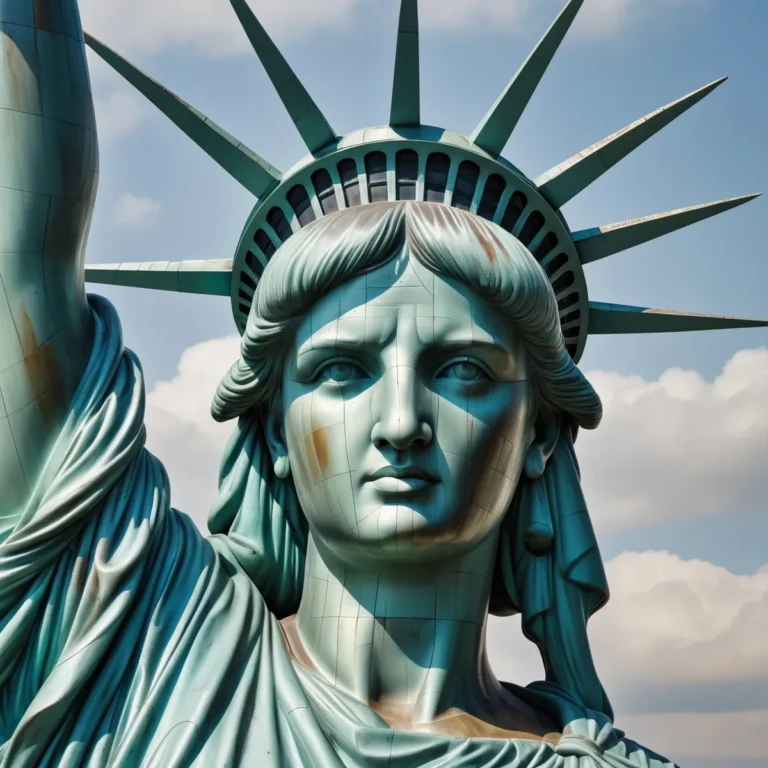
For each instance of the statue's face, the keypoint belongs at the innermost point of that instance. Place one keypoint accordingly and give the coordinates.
(406, 415)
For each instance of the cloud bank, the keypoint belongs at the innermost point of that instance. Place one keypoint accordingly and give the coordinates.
(679, 447)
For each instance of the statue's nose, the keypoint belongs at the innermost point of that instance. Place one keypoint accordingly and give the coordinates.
(403, 420)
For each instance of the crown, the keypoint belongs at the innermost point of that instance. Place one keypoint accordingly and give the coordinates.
(406, 160)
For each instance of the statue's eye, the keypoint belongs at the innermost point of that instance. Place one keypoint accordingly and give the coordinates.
(463, 371)
(341, 372)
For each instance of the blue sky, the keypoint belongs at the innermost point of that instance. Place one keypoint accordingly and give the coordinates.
(624, 59)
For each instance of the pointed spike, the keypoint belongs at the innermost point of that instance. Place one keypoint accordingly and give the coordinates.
(240, 162)
(406, 93)
(600, 242)
(563, 182)
(310, 121)
(619, 318)
(496, 127)
(206, 278)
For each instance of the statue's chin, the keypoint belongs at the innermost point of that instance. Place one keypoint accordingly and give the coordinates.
(407, 534)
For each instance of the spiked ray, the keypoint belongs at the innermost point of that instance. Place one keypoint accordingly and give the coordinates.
(406, 93)
(496, 127)
(619, 318)
(252, 171)
(598, 243)
(207, 278)
(563, 182)
(306, 115)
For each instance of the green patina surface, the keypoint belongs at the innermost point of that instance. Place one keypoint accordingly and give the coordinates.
(126, 637)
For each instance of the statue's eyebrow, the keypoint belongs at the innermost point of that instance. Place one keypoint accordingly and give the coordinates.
(458, 344)
(333, 340)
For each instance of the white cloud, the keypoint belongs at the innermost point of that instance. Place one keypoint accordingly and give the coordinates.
(210, 27)
(680, 446)
(727, 736)
(181, 431)
(136, 212)
(118, 114)
(679, 623)
(671, 626)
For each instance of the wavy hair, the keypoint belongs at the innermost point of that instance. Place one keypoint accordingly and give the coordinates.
(548, 566)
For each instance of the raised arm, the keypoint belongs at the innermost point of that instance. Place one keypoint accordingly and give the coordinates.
(48, 175)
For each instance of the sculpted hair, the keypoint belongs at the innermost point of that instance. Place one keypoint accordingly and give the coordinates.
(448, 241)
(548, 566)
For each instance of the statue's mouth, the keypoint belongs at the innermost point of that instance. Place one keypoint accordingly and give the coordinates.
(404, 479)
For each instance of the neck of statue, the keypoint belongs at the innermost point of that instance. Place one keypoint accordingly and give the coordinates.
(407, 640)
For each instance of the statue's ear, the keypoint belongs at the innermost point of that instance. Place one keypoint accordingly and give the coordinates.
(274, 434)
(546, 432)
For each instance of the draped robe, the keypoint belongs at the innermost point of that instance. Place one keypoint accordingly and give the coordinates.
(129, 639)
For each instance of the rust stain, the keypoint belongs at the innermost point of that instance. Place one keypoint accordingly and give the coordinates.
(42, 10)
(27, 335)
(35, 368)
(485, 243)
(320, 445)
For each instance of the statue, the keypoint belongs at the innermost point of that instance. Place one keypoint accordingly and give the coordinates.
(407, 399)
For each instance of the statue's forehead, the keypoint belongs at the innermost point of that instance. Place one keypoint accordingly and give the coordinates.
(404, 292)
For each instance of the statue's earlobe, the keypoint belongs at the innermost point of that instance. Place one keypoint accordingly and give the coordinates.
(546, 434)
(274, 434)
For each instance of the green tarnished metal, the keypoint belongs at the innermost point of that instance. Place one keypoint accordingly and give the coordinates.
(566, 180)
(306, 115)
(406, 92)
(209, 278)
(497, 126)
(48, 180)
(600, 242)
(240, 162)
(620, 318)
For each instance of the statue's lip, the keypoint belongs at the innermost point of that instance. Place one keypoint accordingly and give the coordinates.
(404, 472)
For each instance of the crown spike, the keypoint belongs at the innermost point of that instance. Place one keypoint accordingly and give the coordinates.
(601, 242)
(240, 162)
(306, 115)
(493, 132)
(205, 278)
(406, 92)
(619, 318)
(563, 182)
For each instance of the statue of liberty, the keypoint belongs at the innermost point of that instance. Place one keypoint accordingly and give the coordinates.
(412, 310)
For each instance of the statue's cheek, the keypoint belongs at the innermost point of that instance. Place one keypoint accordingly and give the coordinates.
(498, 449)
(358, 428)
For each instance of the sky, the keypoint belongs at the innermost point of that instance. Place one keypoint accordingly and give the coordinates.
(675, 476)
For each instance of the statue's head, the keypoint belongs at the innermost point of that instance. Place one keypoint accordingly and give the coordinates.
(404, 393)
(406, 364)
